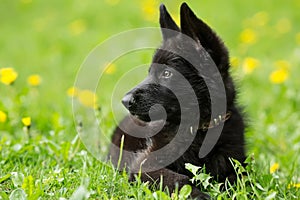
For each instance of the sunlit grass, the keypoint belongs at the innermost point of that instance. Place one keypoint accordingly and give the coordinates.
(42, 47)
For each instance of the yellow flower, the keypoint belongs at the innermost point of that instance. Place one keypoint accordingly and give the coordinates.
(87, 98)
(77, 27)
(249, 64)
(282, 64)
(248, 36)
(283, 25)
(3, 117)
(34, 80)
(72, 92)
(112, 2)
(261, 18)
(294, 185)
(279, 76)
(150, 8)
(274, 168)
(8, 75)
(234, 61)
(110, 68)
(298, 38)
(26, 121)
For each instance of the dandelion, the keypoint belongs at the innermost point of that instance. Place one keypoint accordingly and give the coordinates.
(249, 64)
(110, 68)
(294, 185)
(149, 8)
(248, 36)
(72, 92)
(3, 117)
(298, 38)
(87, 98)
(283, 26)
(34, 80)
(279, 76)
(8, 75)
(26, 121)
(282, 64)
(261, 18)
(274, 168)
(234, 61)
(77, 27)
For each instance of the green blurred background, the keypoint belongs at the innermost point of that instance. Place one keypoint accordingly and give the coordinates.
(52, 38)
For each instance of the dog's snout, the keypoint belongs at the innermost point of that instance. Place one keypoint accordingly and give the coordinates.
(127, 100)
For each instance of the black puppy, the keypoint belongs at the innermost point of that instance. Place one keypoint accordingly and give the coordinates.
(194, 61)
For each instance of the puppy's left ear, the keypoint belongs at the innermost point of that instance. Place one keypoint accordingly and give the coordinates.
(203, 34)
(166, 22)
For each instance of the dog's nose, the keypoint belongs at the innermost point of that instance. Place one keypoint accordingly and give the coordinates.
(127, 100)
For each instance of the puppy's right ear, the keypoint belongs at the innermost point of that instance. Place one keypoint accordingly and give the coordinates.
(205, 36)
(166, 22)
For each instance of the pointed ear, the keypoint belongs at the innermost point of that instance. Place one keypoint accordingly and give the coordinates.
(202, 33)
(166, 22)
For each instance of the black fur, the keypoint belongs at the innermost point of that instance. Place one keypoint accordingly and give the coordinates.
(150, 92)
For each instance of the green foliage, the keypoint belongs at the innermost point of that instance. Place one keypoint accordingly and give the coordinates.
(47, 159)
(204, 180)
(250, 184)
(185, 192)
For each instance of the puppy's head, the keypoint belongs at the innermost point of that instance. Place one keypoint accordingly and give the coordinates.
(185, 53)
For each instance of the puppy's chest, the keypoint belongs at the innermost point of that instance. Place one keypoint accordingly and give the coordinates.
(166, 143)
(141, 155)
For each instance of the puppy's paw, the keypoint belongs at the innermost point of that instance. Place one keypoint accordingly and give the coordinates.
(202, 196)
(198, 195)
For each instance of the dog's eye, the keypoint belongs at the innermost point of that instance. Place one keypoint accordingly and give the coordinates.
(166, 74)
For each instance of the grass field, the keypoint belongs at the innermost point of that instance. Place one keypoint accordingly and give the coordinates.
(43, 45)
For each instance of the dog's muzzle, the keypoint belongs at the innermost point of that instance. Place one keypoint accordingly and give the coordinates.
(127, 101)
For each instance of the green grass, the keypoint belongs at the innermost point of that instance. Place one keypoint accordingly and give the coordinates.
(50, 162)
